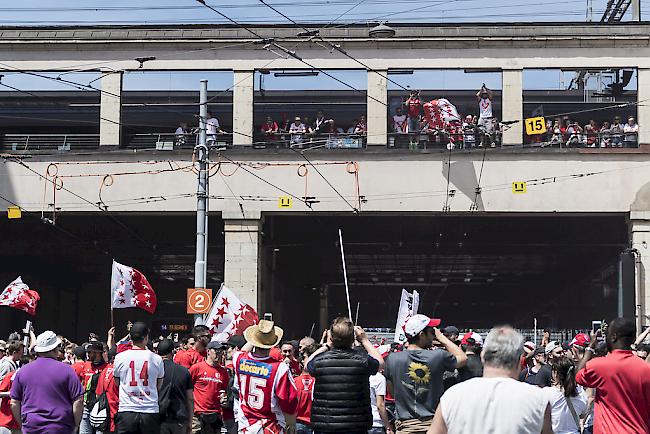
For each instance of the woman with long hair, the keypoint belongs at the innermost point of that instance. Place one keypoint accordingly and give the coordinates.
(566, 398)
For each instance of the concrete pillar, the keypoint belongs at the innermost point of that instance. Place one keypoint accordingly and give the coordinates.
(377, 107)
(640, 236)
(242, 254)
(110, 112)
(513, 106)
(242, 108)
(643, 108)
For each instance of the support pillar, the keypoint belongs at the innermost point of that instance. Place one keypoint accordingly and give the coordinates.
(377, 107)
(110, 112)
(242, 254)
(640, 237)
(513, 106)
(242, 108)
(643, 108)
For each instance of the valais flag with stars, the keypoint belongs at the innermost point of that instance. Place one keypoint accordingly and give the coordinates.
(18, 295)
(228, 316)
(129, 288)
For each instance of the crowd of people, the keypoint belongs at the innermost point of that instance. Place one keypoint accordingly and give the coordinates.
(302, 130)
(565, 132)
(451, 130)
(439, 381)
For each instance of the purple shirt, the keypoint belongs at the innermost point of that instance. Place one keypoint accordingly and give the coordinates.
(46, 388)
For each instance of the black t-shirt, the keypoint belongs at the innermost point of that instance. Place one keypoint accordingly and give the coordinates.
(544, 376)
(181, 382)
(473, 368)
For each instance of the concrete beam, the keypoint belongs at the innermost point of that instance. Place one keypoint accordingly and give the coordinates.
(242, 252)
(643, 108)
(513, 105)
(110, 128)
(242, 107)
(640, 235)
(377, 107)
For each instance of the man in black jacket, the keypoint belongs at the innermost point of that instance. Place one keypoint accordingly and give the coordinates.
(342, 391)
(180, 400)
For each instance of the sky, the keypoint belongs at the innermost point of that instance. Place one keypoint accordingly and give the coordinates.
(75, 12)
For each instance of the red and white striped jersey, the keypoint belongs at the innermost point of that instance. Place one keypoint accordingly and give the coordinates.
(265, 391)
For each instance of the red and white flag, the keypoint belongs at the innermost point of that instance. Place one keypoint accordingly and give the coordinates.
(228, 316)
(129, 288)
(18, 295)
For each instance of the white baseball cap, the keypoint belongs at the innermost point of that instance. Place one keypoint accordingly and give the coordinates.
(551, 346)
(419, 322)
(478, 339)
(46, 341)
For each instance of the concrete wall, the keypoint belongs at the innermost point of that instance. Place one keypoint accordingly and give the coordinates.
(387, 182)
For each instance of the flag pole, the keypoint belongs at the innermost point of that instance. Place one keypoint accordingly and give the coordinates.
(112, 321)
(356, 317)
(345, 275)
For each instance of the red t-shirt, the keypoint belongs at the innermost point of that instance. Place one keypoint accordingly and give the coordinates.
(6, 417)
(86, 372)
(413, 106)
(266, 390)
(189, 358)
(622, 383)
(107, 383)
(294, 367)
(209, 382)
(78, 368)
(276, 354)
(305, 386)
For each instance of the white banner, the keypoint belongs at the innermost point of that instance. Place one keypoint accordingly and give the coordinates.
(408, 306)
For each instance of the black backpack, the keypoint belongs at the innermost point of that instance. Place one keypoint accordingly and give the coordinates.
(170, 406)
(100, 414)
(90, 396)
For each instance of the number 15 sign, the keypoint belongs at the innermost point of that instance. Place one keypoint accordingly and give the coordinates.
(199, 300)
(535, 125)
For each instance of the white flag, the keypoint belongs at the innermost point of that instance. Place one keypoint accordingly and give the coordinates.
(228, 316)
(408, 306)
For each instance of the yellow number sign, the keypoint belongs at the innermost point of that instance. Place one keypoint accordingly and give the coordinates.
(285, 202)
(535, 126)
(13, 212)
(519, 187)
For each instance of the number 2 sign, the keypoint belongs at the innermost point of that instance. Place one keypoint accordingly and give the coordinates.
(199, 300)
(535, 126)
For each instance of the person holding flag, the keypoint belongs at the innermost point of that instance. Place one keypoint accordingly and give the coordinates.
(266, 394)
(130, 288)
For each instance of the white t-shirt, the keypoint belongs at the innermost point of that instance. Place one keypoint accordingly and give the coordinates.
(377, 388)
(563, 422)
(211, 126)
(138, 371)
(493, 405)
(485, 108)
(399, 123)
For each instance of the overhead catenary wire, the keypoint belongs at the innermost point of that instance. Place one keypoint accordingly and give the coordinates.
(97, 205)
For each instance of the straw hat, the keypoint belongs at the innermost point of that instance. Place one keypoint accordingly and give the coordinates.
(263, 335)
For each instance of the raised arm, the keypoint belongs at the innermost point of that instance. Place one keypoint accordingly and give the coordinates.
(455, 350)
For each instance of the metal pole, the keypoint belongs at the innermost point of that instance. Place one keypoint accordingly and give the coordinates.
(202, 192)
(345, 275)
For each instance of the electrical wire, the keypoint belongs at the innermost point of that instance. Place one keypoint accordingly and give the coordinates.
(302, 154)
(21, 163)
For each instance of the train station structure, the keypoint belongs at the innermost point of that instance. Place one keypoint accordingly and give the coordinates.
(502, 234)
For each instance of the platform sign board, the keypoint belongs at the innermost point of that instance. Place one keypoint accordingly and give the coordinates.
(199, 300)
(535, 126)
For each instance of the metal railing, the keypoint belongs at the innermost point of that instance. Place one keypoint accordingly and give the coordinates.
(586, 140)
(59, 142)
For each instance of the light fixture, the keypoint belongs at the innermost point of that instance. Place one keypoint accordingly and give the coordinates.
(400, 72)
(381, 31)
(311, 73)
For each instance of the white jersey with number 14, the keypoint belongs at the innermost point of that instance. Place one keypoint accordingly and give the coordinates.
(138, 371)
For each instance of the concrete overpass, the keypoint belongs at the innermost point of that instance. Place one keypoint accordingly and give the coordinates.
(375, 182)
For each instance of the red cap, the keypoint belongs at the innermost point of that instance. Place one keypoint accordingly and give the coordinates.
(581, 340)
